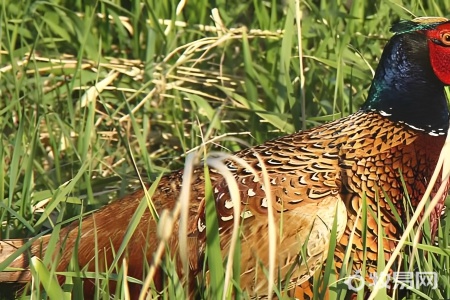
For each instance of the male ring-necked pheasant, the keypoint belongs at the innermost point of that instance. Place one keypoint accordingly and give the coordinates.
(313, 176)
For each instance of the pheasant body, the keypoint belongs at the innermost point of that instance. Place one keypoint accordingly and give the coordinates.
(318, 180)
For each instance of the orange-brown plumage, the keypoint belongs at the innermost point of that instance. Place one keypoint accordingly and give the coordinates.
(314, 177)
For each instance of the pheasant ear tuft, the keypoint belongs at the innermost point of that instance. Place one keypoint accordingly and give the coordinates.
(422, 23)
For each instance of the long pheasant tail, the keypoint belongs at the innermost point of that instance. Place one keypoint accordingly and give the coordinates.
(15, 257)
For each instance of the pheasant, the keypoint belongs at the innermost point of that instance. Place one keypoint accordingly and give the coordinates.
(311, 183)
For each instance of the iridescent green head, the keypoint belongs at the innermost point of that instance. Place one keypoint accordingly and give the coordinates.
(408, 86)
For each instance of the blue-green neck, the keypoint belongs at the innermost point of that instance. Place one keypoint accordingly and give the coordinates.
(405, 88)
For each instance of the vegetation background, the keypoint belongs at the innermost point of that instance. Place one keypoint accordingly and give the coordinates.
(93, 93)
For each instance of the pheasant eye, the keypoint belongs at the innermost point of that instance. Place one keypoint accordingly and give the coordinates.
(445, 38)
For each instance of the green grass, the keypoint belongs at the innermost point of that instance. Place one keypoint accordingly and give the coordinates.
(94, 93)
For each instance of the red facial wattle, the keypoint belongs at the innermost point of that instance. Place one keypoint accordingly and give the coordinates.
(439, 44)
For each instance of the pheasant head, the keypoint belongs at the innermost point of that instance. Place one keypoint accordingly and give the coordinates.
(409, 82)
